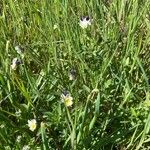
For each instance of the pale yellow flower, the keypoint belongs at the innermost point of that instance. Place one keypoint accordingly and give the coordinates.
(67, 99)
(32, 124)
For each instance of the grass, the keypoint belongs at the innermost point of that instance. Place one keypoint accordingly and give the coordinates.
(111, 98)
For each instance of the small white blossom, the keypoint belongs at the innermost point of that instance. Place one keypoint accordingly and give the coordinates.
(32, 124)
(67, 99)
(85, 22)
(15, 63)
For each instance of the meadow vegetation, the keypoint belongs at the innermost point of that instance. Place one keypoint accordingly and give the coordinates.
(73, 87)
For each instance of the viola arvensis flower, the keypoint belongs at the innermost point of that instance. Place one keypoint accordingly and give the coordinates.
(32, 124)
(85, 22)
(67, 99)
(15, 63)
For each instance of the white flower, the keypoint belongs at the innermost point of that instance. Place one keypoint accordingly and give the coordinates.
(15, 63)
(67, 99)
(85, 22)
(25, 147)
(32, 124)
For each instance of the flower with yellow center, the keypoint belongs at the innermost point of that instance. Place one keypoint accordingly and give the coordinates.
(85, 22)
(32, 124)
(67, 99)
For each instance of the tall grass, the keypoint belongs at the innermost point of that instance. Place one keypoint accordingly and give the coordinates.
(111, 98)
